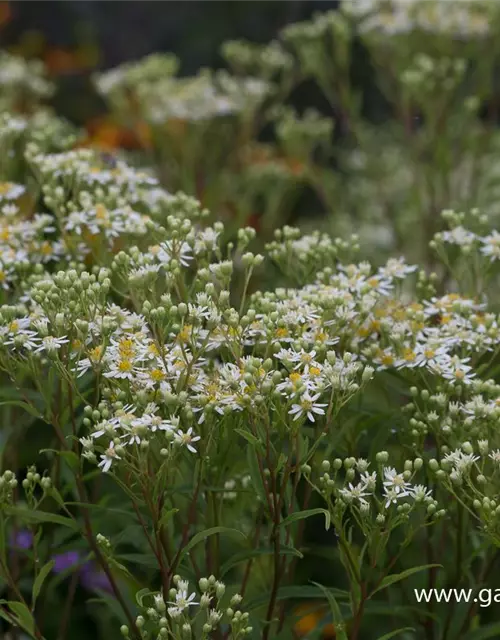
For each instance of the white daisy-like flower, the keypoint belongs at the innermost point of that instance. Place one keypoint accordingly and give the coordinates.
(495, 456)
(462, 462)
(459, 236)
(391, 496)
(396, 268)
(491, 245)
(394, 480)
(108, 458)
(50, 344)
(308, 406)
(186, 439)
(169, 251)
(182, 602)
(355, 492)
(419, 492)
(153, 423)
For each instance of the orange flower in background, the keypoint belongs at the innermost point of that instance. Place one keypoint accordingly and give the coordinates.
(259, 155)
(5, 13)
(103, 132)
(295, 166)
(60, 61)
(311, 618)
(256, 155)
(143, 132)
(64, 61)
(253, 221)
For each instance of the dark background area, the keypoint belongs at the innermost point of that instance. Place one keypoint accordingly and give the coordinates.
(78, 37)
(126, 30)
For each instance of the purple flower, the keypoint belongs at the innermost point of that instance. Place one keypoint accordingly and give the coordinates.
(93, 578)
(64, 561)
(22, 539)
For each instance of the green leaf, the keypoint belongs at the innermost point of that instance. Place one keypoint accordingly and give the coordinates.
(125, 574)
(24, 619)
(202, 535)
(40, 517)
(141, 559)
(300, 515)
(253, 553)
(109, 602)
(295, 592)
(377, 608)
(5, 615)
(90, 506)
(37, 585)
(166, 516)
(340, 633)
(253, 469)
(483, 633)
(249, 437)
(69, 456)
(140, 595)
(24, 405)
(393, 634)
(54, 493)
(397, 577)
(309, 453)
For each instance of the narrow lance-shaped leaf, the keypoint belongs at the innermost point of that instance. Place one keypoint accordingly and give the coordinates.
(253, 553)
(394, 634)
(23, 616)
(41, 517)
(202, 535)
(301, 515)
(37, 585)
(340, 633)
(397, 577)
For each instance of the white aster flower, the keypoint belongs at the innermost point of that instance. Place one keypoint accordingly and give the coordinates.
(108, 458)
(308, 406)
(186, 439)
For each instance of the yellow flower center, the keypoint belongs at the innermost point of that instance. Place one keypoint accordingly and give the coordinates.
(387, 360)
(185, 333)
(125, 366)
(157, 375)
(101, 213)
(95, 353)
(126, 348)
(153, 349)
(46, 249)
(409, 355)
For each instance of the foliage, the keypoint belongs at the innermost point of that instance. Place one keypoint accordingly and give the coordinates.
(194, 410)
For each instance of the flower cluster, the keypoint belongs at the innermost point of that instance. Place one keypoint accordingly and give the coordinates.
(197, 392)
(465, 20)
(189, 614)
(384, 498)
(23, 83)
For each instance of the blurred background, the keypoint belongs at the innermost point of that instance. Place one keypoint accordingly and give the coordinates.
(425, 124)
(77, 38)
